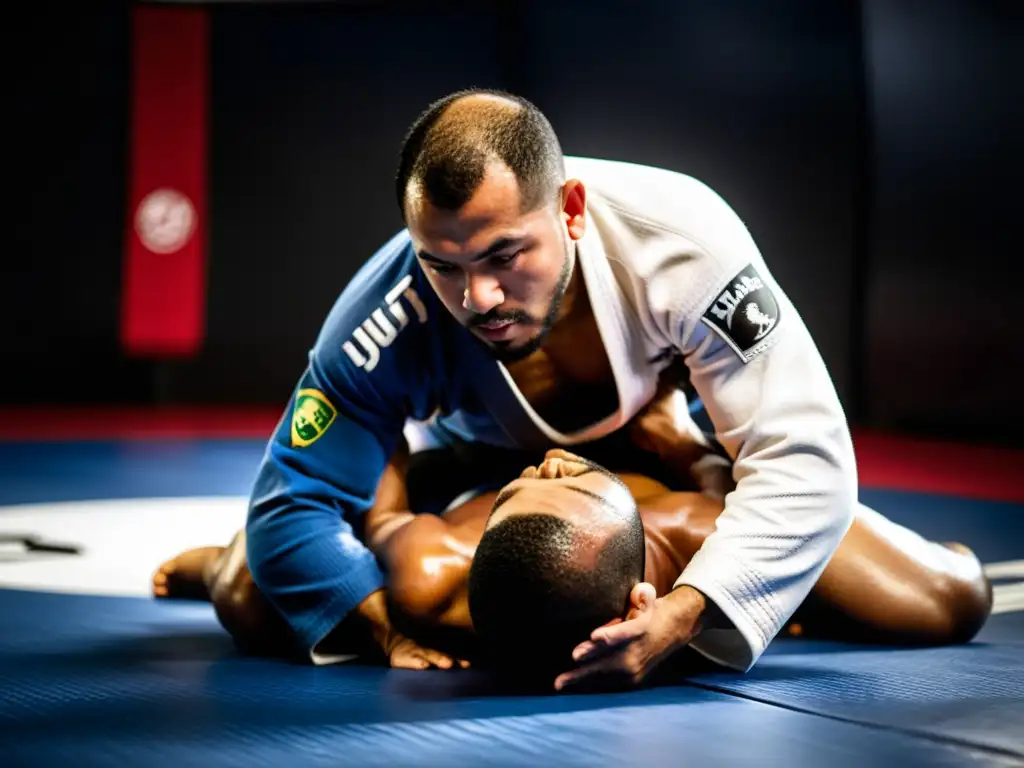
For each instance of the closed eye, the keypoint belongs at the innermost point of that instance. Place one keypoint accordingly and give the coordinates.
(441, 269)
(505, 261)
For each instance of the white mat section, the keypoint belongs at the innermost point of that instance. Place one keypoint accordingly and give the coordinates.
(123, 541)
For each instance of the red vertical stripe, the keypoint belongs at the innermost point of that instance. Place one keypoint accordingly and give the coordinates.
(164, 289)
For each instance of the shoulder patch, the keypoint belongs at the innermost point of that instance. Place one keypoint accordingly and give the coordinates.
(745, 314)
(312, 416)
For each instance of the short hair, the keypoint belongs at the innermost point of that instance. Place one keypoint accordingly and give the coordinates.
(447, 151)
(530, 600)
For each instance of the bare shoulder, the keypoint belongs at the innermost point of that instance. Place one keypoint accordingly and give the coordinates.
(425, 566)
(674, 509)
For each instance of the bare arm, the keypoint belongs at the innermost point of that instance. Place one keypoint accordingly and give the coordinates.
(665, 429)
(390, 511)
(417, 559)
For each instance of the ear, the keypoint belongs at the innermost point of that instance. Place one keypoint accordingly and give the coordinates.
(574, 208)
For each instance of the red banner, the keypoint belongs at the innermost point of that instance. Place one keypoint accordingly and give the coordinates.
(164, 287)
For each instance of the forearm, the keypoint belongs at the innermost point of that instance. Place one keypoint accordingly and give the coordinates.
(779, 418)
(390, 511)
(696, 463)
(666, 429)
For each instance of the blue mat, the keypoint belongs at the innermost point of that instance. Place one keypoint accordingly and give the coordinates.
(81, 471)
(89, 681)
(972, 694)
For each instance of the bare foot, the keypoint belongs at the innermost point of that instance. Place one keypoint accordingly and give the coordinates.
(185, 576)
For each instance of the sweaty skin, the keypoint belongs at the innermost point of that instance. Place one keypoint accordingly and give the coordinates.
(885, 584)
(428, 557)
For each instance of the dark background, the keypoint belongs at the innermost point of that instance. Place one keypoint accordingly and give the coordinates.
(872, 147)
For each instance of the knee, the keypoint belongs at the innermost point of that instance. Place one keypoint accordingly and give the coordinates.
(965, 597)
(240, 607)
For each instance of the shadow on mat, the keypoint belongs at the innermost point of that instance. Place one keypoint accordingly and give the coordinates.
(124, 651)
(95, 697)
(437, 685)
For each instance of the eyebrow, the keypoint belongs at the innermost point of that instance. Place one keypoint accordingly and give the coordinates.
(509, 493)
(496, 247)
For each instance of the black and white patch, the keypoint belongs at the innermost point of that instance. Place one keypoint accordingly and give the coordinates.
(745, 314)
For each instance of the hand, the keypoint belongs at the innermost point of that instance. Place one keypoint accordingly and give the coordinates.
(621, 654)
(401, 651)
(406, 653)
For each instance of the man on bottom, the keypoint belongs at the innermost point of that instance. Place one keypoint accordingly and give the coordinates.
(568, 546)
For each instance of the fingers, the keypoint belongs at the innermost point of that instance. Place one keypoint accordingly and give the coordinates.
(611, 669)
(621, 633)
(586, 650)
(559, 463)
(437, 659)
(414, 660)
(604, 675)
(409, 662)
(559, 453)
(417, 657)
(608, 638)
(617, 632)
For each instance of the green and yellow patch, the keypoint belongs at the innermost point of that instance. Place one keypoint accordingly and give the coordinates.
(312, 416)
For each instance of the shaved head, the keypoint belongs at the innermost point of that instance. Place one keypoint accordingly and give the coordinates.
(449, 147)
(562, 550)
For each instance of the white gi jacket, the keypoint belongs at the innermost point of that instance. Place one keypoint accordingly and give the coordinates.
(670, 266)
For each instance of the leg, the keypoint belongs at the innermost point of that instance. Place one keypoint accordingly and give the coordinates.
(885, 583)
(221, 576)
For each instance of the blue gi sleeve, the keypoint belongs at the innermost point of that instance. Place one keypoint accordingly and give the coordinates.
(367, 373)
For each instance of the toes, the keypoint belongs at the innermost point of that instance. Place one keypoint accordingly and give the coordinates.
(160, 584)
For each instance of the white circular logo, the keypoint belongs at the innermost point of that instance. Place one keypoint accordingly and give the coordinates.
(165, 220)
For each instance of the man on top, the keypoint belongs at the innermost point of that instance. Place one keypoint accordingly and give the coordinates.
(535, 300)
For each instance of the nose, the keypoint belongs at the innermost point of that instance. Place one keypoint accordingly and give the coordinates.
(483, 293)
